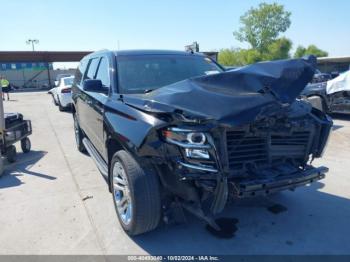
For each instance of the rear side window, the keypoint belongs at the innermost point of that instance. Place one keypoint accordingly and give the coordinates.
(80, 71)
(92, 68)
(103, 72)
(68, 81)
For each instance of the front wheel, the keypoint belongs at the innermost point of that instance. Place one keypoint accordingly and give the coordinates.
(136, 194)
(78, 135)
(11, 154)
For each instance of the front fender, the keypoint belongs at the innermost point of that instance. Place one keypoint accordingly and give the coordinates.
(129, 126)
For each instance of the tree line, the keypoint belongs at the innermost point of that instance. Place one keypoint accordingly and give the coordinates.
(261, 28)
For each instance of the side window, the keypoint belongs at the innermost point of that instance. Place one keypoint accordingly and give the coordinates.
(103, 72)
(91, 72)
(80, 71)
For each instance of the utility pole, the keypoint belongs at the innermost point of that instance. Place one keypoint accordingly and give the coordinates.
(32, 42)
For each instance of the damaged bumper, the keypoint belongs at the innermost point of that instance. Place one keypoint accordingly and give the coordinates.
(256, 159)
(265, 186)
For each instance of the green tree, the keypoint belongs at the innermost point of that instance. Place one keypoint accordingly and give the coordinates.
(238, 57)
(299, 52)
(262, 25)
(278, 49)
(310, 50)
(228, 57)
(250, 56)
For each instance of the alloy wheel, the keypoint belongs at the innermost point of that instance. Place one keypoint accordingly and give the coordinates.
(121, 193)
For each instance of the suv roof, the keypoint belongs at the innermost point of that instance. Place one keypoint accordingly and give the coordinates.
(144, 52)
(153, 52)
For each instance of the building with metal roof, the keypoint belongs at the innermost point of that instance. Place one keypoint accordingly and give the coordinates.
(333, 64)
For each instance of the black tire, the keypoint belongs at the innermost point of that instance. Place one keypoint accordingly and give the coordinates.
(317, 102)
(144, 191)
(11, 154)
(78, 135)
(26, 145)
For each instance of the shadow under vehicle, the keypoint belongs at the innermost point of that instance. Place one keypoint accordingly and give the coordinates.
(172, 131)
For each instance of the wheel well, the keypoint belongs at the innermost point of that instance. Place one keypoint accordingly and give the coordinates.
(113, 146)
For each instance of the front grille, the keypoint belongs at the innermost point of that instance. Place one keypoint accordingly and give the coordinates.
(245, 151)
(248, 152)
(296, 138)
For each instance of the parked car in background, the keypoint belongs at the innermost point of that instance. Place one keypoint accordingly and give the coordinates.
(320, 77)
(59, 76)
(174, 131)
(332, 96)
(61, 94)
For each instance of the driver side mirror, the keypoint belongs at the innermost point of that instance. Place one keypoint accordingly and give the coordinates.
(94, 85)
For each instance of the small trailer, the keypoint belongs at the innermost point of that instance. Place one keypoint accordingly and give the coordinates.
(16, 129)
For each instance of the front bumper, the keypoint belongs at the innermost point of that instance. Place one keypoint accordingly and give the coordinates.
(264, 186)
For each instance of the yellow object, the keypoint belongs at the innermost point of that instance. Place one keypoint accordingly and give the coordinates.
(4, 83)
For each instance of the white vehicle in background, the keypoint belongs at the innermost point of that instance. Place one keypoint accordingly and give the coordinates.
(59, 76)
(61, 94)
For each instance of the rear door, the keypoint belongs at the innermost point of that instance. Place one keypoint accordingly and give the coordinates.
(93, 106)
(86, 99)
(77, 90)
(98, 107)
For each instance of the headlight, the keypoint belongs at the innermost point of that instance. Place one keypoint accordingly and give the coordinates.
(197, 153)
(194, 144)
(186, 138)
(196, 138)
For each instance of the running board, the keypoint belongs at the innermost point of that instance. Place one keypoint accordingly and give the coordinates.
(100, 163)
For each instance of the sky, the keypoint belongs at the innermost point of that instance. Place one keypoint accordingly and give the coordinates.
(161, 24)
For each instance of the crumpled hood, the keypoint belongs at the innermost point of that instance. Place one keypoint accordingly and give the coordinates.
(241, 94)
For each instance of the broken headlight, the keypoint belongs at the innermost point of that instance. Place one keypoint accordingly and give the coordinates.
(195, 143)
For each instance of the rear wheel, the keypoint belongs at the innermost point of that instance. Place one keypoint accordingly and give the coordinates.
(136, 194)
(60, 107)
(78, 135)
(26, 145)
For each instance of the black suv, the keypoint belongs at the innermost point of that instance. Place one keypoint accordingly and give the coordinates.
(172, 131)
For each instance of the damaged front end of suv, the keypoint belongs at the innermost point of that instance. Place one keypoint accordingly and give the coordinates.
(235, 134)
